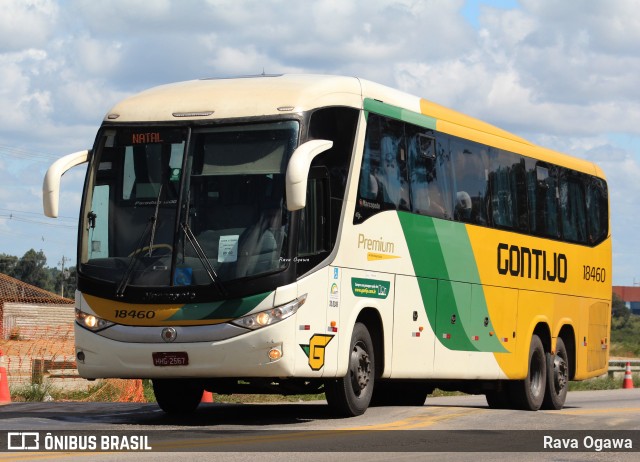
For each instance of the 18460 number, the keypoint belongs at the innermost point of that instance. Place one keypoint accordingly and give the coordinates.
(594, 273)
(135, 314)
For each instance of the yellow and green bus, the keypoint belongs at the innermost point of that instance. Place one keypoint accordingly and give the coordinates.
(308, 234)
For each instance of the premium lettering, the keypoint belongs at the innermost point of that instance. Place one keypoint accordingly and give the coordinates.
(532, 263)
(375, 244)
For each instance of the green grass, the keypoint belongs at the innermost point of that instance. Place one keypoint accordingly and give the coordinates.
(36, 392)
(625, 336)
(602, 383)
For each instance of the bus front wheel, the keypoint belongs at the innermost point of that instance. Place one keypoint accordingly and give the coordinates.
(529, 393)
(350, 395)
(177, 396)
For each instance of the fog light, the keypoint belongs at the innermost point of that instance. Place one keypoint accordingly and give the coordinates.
(274, 354)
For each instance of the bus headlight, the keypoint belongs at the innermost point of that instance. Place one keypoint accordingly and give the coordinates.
(91, 322)
(270, 316)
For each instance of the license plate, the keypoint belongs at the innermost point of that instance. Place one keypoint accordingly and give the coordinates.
(175, 358)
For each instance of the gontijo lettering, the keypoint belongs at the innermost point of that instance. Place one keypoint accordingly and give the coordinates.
(532, 263)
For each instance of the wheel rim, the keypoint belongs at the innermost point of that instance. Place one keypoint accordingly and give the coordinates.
(360, 368)
(560, 373)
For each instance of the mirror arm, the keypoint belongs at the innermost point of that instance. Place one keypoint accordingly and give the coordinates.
(51, 184)
(298, 172)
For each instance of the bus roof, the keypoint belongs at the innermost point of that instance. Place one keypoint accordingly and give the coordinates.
(265, 95)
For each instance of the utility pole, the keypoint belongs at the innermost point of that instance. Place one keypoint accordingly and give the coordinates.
(62, 276)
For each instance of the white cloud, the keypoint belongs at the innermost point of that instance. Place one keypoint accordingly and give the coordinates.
(26, 24)
(22, 102)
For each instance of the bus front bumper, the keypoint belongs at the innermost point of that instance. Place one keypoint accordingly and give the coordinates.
(247, 355)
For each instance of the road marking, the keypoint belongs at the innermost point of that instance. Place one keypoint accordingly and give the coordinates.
(424, 420)
(432, 416)
(613, 410)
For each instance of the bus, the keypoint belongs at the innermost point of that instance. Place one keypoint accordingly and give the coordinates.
(301, 234)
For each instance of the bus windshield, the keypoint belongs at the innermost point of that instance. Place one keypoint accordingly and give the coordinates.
(182, 207)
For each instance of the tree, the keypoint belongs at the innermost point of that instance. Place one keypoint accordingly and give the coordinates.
(619, 311)
(8, 264)
(31, 270)
(68, 278)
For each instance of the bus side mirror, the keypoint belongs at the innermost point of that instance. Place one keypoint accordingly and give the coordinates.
(298, 172)
(51, 184)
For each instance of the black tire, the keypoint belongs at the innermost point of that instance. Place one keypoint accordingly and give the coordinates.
(350, 396)
(529, 393)
(178, 396)
(392, 393)
(557, 377)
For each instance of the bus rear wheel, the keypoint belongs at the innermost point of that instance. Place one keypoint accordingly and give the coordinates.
(178, 396)
(529, 393)
(350, 395)
(557, 377)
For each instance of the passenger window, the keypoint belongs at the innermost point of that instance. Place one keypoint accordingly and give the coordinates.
(543, 195)
(508, 197)
(384, 181)
(470, 162)
(428, 176)
(597, 205)
(392, 172)
(572, 204)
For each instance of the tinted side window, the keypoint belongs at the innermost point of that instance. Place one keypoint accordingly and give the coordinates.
(572, 204)
(470, 170)
(542, 195)
(429, 174)
(508, 191)
(384, 174)
(597, 209)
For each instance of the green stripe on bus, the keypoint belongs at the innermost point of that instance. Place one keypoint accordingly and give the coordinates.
(372, 105)
(441, 254)
(224, 309)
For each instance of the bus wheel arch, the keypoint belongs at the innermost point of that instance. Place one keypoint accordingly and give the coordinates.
(568, 336)
(370, 317)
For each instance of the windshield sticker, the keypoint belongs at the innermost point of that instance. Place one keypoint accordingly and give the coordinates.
(370, 288)
(315, 350)
(175, 175)
(334, 296)
(183, 276)
(228, 248)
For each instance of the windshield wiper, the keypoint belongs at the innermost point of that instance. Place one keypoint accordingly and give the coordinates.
(202, 256)
(151, 225)
(154, 222)
(124, 281)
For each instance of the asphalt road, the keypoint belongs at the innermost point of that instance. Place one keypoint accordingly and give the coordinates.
(455, 427)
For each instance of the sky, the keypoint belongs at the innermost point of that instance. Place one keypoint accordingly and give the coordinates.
(565, 75)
